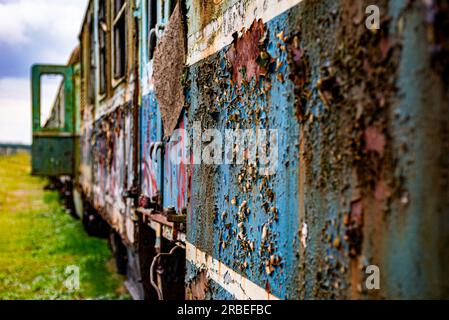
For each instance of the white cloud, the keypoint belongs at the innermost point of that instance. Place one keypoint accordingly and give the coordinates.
(22, 20)
(15, 110)
(15, 107)
(46, 31)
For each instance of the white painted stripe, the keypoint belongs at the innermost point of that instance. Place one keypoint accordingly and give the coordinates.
(238, 17)
(240, 287)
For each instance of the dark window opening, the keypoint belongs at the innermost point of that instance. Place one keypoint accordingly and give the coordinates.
(91, 79)
(152, 22)
(156, 21)
(102, 30)
(119, 36)
(172, 6)
(152, 13)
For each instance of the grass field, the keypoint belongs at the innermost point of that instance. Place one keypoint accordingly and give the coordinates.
(40, 243)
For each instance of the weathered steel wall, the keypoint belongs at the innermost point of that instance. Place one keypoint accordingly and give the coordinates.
(85, 181)
(113, 169)
(246, 220)
(362, 176)
(163, 181)
(109, 168)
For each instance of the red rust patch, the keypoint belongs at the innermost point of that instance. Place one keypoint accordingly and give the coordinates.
(169, 63)
(245, 52)
(198, 288)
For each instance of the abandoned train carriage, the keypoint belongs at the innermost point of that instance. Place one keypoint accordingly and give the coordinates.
(352, 172)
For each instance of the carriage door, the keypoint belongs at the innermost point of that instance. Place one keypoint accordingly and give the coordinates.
(53, 138)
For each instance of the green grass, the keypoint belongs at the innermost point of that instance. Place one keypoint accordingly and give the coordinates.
(39, 240)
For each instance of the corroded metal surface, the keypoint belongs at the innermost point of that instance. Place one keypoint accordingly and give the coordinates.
(351, 189)
(168, 70)
(360, 175)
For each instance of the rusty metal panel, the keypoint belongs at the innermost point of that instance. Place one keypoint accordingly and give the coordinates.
(52, 155)
(168, 70)
(163, 182)
(361, 177)
(109, 170)
(246, 220)
(113, 168)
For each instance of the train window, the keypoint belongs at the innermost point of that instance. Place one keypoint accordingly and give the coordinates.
(102, 30)
(169, 7)
(158, 13)
(91, 63)
(119, 38)
(152, 22)
(52, 101)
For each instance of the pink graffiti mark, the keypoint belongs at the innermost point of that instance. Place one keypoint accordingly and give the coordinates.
(182, 171)
(177, 175)
(149, 172)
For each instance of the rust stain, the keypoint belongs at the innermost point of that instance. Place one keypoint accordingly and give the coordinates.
(198, 288)
(300, 73)
(246, 57)
(169, 63)
(207, 10)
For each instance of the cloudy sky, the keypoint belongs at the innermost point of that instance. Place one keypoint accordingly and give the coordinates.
(32, 31)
